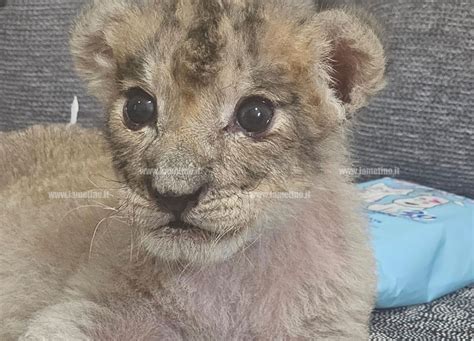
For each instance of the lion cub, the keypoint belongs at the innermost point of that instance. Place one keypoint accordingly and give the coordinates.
(230, 218)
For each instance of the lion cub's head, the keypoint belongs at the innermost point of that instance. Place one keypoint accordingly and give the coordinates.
(213, 103)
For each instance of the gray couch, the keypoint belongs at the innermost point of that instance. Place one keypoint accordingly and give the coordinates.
(422, 123)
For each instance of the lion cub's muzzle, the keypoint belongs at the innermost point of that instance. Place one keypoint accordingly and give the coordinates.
(178, 204)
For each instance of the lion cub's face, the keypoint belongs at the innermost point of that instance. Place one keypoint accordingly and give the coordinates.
(212, 105)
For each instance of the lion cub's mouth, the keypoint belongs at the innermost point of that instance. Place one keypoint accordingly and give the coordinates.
(180, 229)
(181, 225)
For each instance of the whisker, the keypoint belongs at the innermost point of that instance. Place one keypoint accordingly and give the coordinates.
(184, 271)
(94, 235)
(81, 207)
(108, 179)
(107, 207)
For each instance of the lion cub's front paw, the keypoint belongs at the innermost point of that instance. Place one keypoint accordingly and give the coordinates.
(65, 321)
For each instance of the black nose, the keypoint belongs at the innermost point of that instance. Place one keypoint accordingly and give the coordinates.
(177, 204)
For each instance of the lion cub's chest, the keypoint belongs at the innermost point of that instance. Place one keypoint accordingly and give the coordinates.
(215, 307)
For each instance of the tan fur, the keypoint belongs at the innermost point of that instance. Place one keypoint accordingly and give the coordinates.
(261, 266)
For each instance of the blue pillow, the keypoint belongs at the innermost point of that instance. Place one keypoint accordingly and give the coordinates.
(423, 241)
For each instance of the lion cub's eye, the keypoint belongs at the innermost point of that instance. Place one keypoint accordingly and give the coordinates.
(139, 110)
(254, 114)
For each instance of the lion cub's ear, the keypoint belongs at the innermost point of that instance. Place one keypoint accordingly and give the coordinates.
(104, 35)
(354, 56)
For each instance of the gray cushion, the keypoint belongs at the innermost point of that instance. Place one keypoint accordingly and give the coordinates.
(37, 80)
(421, 124)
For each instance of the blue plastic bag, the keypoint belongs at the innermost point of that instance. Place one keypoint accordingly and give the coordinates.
(423, 241)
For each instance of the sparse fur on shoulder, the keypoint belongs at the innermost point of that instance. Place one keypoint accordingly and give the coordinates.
(188, 220)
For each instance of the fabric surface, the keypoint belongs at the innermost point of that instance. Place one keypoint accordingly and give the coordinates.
(37, 79)
(449, 318)
(422, 124)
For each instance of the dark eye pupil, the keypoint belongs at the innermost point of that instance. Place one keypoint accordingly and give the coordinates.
(255, 114)
(140, 108)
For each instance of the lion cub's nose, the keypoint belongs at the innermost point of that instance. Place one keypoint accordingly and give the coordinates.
(177, 204)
